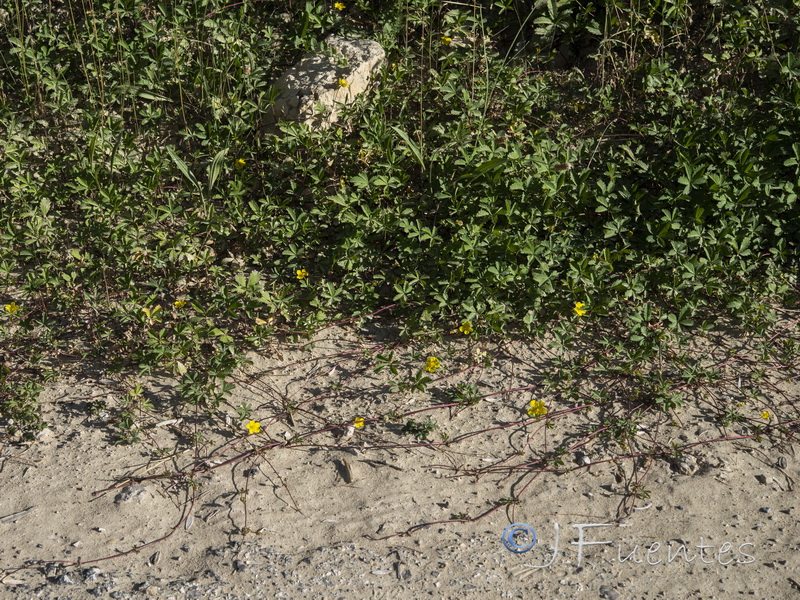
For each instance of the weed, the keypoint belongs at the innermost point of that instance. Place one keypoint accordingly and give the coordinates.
(420, 429)
(618, 179)
(466, 394)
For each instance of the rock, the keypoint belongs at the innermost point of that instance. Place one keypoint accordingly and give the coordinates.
(64, 579)
(129, 493)
(608, 592)
(402, 571)
(91, 574)
(685, 465)
(314, 83)
(582, 460)
(46, 436)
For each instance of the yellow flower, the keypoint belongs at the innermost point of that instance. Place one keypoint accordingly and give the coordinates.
(179, 303)
(358, 423)
(537, 409)
(466, 328)
(432, 364)
(12, 308)
(253, 427)
(343, 82)
(579, 310)
(446, 40)
(302, 273)
(765, 414)
(338, 6)
(240, 163)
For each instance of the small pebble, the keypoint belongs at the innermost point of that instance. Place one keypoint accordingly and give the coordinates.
(608, 592)
(685, 465)
(765, 509)
(128, 493)
(403, 572)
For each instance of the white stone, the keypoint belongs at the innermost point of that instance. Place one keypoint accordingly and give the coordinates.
(310, 92)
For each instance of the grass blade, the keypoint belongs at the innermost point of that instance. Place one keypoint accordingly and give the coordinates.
(216, 168)
(182, 167)
(413, 146)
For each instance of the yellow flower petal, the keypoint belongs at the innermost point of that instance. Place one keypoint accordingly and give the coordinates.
(432, 364)
(537, 408)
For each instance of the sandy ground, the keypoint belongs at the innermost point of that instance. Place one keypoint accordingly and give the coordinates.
(311, 508)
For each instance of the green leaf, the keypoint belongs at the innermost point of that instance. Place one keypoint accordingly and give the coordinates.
(152, 96)
(215, 168)
(698, 214)
(182, 167)
(489, 165)
(414, 147)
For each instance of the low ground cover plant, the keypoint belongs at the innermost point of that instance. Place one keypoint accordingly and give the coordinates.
(620, 177)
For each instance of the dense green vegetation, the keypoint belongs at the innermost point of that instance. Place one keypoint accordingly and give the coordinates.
(511, 161)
